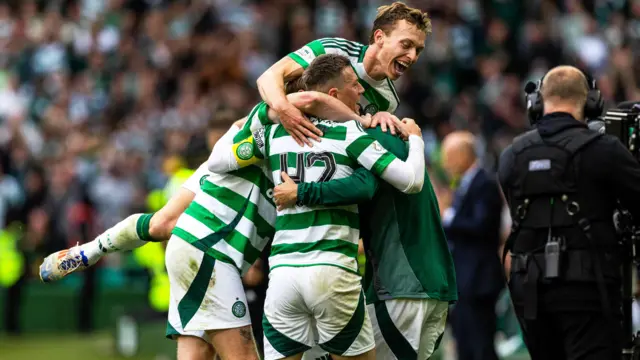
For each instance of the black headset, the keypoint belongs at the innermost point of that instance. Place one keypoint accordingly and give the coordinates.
(593, 107)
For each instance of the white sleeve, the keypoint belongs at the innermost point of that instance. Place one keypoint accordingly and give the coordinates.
(222, 159)
(193, 182)
(408, 176)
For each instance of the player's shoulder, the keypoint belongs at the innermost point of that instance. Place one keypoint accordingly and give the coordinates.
(352, 48)
(354, 126)
(339, 40)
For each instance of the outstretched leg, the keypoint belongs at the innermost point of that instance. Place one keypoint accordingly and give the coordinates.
(131, 233)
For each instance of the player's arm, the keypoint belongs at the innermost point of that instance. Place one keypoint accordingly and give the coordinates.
(272, 90)
(321, 105)
(229, 155)
(360, 186)
(406, 176)
(237, 148)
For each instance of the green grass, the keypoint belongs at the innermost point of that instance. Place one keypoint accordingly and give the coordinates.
(100, 346)
(97, 346)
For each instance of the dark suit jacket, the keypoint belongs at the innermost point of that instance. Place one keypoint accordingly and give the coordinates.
(474, 236)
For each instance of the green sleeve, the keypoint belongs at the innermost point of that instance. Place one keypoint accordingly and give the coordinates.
(392, 143)
(305, 55)
(360, 186)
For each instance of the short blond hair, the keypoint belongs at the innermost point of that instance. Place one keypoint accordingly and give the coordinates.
(565, 84)
(388, 15)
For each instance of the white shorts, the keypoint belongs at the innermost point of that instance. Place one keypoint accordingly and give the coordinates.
(321, 305)
(205, 294)
(195, 180)
(407, 328)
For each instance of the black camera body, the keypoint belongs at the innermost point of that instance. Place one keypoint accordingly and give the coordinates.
(622, 122)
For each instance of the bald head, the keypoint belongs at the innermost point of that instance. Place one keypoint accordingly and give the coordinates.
(458, 152)
(565, 89)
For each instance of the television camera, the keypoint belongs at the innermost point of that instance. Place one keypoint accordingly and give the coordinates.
(623, 123)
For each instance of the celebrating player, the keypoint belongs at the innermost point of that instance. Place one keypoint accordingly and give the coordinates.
(399, 307)
(320, 242)
(220, 234)
(397, 39)
(409, 278)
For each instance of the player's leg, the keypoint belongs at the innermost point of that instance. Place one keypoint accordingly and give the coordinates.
(194, 348)
(286, 320)
(407, 328)
(133, 232)
(209, 300)
(236, 343)
(337, 302)
(194, 344)
(316, 353)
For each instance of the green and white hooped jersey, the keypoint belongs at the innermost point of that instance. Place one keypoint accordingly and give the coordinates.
(378, 95)
(232, 217)
(309, 236)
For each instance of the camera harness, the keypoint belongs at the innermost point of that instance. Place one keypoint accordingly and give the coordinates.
(545, 193)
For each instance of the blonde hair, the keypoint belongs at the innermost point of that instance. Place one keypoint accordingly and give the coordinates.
(565, 83)
(388, 15)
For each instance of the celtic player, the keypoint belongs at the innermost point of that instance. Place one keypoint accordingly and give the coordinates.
(397, 39)
(138, 229)
(409, 278)
(216, 239)
(323, 296)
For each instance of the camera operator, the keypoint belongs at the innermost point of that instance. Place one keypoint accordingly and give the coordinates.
(561, 181)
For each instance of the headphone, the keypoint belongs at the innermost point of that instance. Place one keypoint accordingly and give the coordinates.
(593, 107)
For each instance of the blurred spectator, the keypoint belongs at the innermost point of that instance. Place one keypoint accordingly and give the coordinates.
(472, 223)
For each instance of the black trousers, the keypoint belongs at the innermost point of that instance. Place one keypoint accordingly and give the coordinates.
(572, 336)
(473, 321)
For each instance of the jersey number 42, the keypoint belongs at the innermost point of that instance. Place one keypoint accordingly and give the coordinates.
(304, 161)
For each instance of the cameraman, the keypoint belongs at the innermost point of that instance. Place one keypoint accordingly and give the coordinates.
(561, 181)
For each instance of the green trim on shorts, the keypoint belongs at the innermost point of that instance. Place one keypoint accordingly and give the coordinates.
(190, 302)
(280, 342)
(437, 344)
(355, 272)
(398, 344)
(345, 338)
(171, 331)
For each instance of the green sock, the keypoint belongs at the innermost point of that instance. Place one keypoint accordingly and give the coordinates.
(142, 227)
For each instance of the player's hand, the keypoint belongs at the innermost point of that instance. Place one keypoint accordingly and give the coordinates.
(407, 127)
(297, 125)
(286, 194)
(385, 120)
(365, 120)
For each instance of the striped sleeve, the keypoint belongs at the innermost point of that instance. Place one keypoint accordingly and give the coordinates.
(366, 150)
(257, 119)
(305, 55)
(341, 46)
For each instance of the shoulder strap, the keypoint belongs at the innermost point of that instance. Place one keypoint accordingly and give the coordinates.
(581, 139)
(526, 139)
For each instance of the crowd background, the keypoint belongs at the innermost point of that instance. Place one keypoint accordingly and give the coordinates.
(104, 102)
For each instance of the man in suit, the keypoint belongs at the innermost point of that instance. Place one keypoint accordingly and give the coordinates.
(472, 225)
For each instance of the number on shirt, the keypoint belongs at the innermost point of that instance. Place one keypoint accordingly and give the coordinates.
(326, 157)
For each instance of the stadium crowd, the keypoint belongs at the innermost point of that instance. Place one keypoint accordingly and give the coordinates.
(103, 102)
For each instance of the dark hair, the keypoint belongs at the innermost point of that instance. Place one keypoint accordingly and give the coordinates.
(388, 15)
(324, 69)
(222, 119)
(293, 86)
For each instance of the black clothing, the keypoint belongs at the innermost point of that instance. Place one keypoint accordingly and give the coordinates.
(603, 172)
(572, 336)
